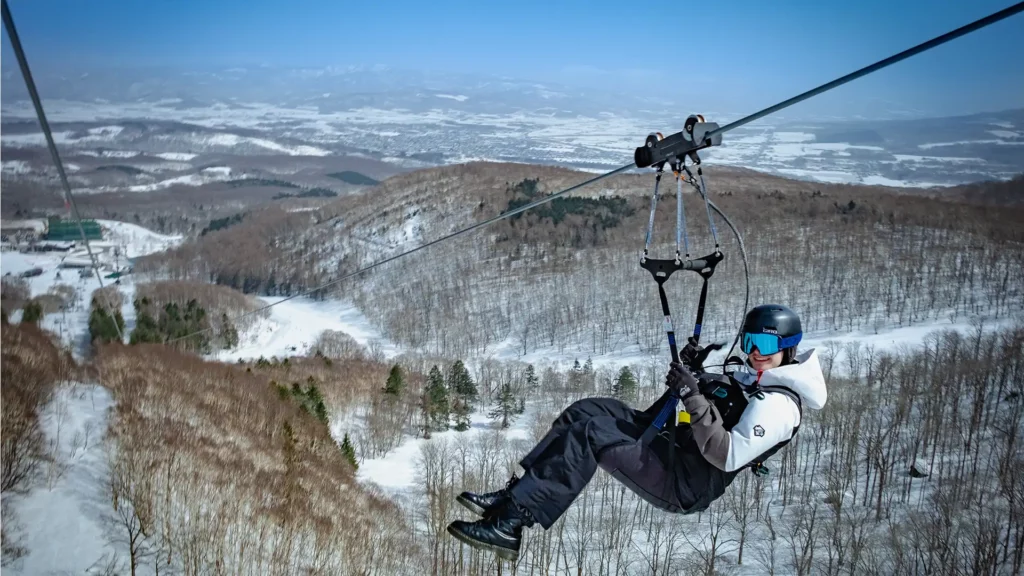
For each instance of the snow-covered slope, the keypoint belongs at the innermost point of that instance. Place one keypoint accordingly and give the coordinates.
(294, 326)
(138, 241)
(66, 524)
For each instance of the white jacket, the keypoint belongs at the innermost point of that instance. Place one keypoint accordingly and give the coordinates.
(765, 421)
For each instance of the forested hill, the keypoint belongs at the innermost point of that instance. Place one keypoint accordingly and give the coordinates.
(846, 256)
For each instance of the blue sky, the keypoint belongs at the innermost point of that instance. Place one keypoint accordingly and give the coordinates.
(756, 52)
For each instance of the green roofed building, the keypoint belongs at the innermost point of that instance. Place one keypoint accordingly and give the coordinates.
(67, 230)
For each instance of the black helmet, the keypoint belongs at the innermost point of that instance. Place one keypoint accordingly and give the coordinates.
(771, 328)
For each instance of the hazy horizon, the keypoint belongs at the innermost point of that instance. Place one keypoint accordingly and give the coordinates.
(740, 58)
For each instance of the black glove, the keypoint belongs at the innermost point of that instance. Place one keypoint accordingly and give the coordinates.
(693, 356)
(681, 380)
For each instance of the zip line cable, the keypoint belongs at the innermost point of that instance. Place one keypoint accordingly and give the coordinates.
(26, 73)
(937, 41)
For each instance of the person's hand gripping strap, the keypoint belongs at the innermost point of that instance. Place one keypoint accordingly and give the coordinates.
(693, 355)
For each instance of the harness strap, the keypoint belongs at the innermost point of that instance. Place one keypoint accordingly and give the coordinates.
(757, 466)
(654, 205)
(681, 220)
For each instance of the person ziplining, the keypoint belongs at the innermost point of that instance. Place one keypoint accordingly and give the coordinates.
(732, 421)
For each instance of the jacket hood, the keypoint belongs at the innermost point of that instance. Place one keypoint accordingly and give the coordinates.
(804, 377)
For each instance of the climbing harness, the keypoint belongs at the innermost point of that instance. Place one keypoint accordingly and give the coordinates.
(674, 151)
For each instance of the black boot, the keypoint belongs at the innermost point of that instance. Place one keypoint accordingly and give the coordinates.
(483, 504)
(501, 532)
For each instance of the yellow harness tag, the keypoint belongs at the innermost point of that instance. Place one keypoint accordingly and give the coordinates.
(684, 417)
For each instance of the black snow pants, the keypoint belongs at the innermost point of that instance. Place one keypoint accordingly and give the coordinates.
(606, 432)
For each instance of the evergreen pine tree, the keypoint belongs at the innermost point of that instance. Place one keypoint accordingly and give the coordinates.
(625, 385)
(588, 374)
(437, 404)
(349, 452)
(462, 390)
(104, 327)
(460, 382)
(575, 383)
(282, 391)
(396, 382)
(228, 332)
(460, 413)
(507, 408)
(146, 329)
(425, 413)
(32, 313)
(532, 383)
(316, 402)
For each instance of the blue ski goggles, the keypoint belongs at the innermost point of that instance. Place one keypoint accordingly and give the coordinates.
(768, 344)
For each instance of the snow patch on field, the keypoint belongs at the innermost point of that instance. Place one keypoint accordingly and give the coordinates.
(205, 176)
(294, 326)
(794, 137)
(100, 133)
(186, 180)
(37, 139)
(1005, 134)
(16, 167)
(881, 181)
(110, 153)
(396, 471)
(954, 159)
(176, 156)
(832, 176)
(931, 145)
(839, 177)
(105, 131)
(220, 171)
(231, 140)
